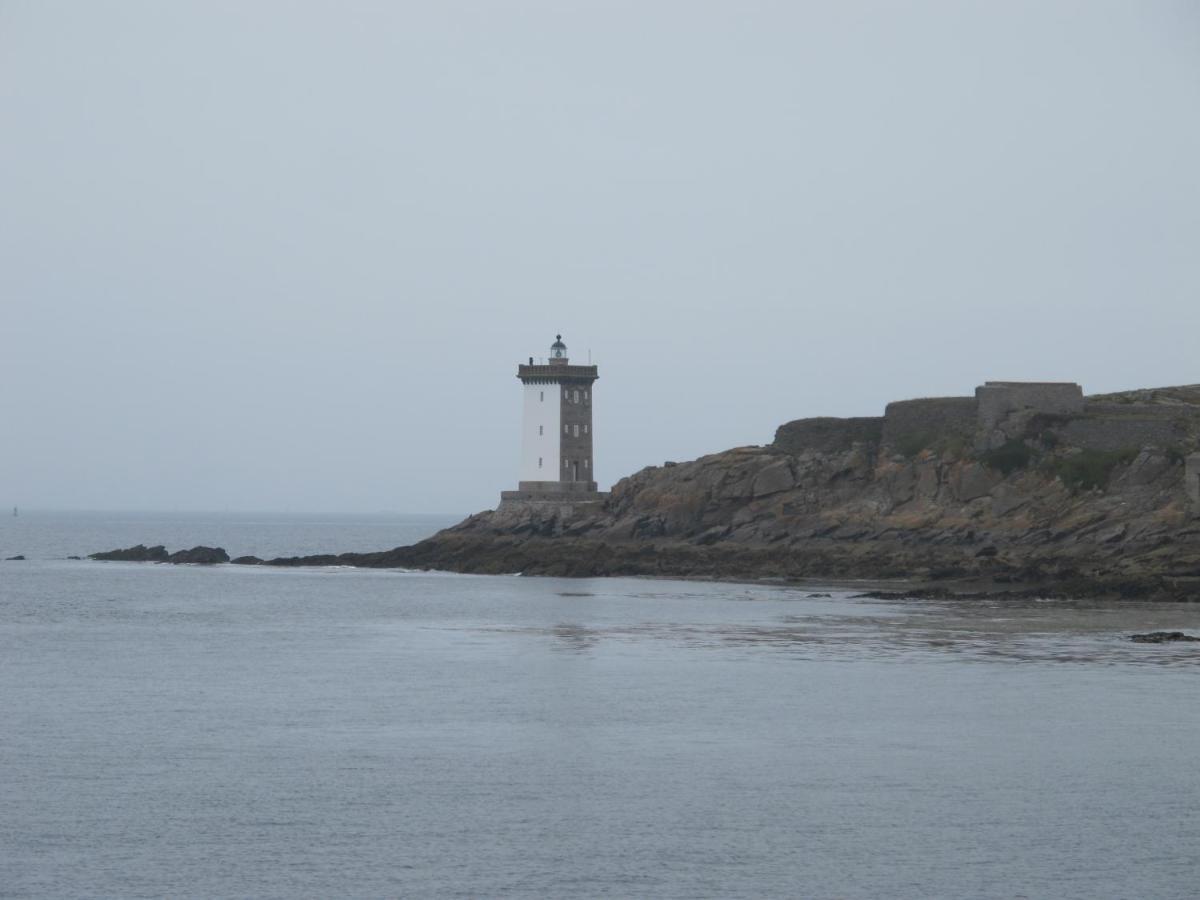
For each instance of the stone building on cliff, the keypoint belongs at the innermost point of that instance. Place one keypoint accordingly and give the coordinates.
(1004, 413)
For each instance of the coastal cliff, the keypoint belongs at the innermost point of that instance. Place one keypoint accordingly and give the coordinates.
(1023, 491)
(1024, 486)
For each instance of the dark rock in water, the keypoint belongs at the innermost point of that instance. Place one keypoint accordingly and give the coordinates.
(140, 553)
(204, 556)
(74, 557)
(811, 596)
(320, 559)
(1162, 637)
(247, 561)
(15, 558)
(922, 593)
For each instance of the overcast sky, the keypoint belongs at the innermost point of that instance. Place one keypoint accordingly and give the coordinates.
(287, 256)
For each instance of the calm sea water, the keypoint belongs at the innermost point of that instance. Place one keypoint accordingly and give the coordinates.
(244, 732)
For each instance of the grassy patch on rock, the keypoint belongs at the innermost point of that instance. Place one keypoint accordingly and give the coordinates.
(1089, 469)
(1009, 457)
(911, 444)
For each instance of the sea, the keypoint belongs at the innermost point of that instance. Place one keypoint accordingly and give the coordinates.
(226, 731)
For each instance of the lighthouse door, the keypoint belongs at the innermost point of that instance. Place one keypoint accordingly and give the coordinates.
(575, 471)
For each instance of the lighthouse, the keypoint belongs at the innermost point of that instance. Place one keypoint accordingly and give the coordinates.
(556, 429)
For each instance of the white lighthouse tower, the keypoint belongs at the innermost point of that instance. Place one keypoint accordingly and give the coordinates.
(556, 430)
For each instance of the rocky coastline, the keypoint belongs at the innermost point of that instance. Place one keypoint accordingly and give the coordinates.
(1048, 498)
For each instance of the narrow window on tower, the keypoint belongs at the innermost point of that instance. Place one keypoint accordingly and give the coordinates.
(576, 431)
(566, 429)
(564, 463)
(585, 429)
(585, 463)
(539, 462)
(542, 397)
(577, 396)
(585, 395)
(540, 427)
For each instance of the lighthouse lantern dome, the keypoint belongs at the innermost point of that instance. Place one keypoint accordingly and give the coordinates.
(558, 350)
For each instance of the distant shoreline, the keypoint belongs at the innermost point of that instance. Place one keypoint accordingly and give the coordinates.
(1151, 589)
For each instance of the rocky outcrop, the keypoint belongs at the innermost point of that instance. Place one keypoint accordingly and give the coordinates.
(142, 553)
(1027, 509)
(830, 500)
(828, 434)
(203, 556)
(1162, 637)
(760, 512)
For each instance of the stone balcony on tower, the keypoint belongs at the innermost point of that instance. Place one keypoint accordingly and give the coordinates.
(557, 372)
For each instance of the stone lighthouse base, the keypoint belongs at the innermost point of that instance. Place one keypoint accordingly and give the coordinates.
(542, 494)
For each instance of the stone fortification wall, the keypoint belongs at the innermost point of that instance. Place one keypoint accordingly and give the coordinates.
(543, 504)
(554, 488)
(826, 434)
(998, 399)
(1140, 410)
(1125, 426)
(1000, 412)
(1121, 432)
(911, 424)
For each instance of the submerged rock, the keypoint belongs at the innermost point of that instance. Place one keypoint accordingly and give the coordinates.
(1162, 637)
(15, 558)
